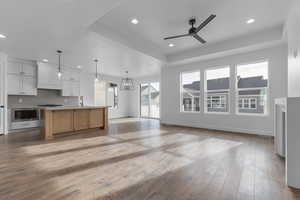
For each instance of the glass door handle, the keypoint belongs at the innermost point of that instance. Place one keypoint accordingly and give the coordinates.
(1, 106)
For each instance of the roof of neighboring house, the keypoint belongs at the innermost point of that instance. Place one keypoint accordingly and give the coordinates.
(223, 83)
(252, 82)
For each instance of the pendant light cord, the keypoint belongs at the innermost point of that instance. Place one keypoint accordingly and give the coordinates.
(96, 61)
(59, 60)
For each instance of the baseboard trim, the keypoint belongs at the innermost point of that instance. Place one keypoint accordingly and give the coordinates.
(227, 129)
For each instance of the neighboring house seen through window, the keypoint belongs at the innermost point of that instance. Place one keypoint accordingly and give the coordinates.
(190, 91)
(252, 88)
(217, 90)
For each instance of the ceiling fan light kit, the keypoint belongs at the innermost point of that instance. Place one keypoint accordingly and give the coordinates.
(193, 31)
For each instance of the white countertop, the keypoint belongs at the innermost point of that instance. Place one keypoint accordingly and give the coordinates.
(72, 107)
(68, 107)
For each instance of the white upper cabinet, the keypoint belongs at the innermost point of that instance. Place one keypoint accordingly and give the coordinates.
(47, 77)
(71, 82)
(71, 89)
(29, 85)
(14, 85)
(21, 77)
(29, 70)
(71, 75)
(14, 67)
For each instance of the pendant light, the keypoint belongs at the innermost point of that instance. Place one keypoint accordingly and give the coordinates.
(59, 73)
(96, 75)
(127, 83)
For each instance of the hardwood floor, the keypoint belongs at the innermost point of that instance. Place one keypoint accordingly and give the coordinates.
(141, 160)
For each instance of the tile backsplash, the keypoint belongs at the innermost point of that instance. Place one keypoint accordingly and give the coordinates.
(43, 97)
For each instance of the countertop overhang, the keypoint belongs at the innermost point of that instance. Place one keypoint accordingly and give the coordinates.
(73, 107)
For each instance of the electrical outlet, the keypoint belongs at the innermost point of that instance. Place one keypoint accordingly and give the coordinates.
(20, 100)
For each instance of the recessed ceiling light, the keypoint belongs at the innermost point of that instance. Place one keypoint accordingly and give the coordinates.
(171, 45)
(250, 21)
(2, 36)
(134, 21)
(45, 60)
(79, 66)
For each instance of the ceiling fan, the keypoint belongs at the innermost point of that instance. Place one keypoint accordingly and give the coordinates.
(193, 32)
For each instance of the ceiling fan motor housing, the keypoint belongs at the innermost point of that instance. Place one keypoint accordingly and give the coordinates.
(192, 21)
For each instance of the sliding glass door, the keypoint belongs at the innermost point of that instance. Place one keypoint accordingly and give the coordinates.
(150, 95)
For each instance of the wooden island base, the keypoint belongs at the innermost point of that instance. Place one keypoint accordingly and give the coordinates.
(64, 120)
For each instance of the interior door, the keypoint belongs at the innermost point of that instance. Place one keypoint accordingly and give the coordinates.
(150, 97)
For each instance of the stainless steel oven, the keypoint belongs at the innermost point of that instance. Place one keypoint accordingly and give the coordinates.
(21, 118)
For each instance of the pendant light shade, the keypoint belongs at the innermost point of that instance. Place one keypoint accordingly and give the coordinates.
(96, 65)
(59, 73)
(127, 83)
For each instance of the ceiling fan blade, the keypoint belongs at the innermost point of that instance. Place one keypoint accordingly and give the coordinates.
(201, 26)
(200, 39)
(177, 36)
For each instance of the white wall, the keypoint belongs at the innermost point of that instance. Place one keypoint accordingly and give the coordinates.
(293, 32)
(170, 84)
(87, 90)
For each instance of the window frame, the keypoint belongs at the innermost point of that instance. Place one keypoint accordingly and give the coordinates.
(249, 103)
(220, 94)
(266, 102)
(181, 110)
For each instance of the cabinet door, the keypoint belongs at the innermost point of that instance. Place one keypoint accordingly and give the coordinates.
(76, 75)
(81, 119)
(76, 89)
(14, 84)
(14, 67)
(96, 118)
(71, 74)
(63, 121)
(29, 86)
(29, 69)
(67, 89)
(71, 89)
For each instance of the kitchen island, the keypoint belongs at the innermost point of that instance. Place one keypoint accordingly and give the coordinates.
(64, 119)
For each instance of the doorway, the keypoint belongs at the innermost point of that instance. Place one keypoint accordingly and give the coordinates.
(150, 100)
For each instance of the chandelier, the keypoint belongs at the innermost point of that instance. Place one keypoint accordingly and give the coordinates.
(127, 83)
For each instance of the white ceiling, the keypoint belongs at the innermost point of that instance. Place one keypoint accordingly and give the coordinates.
(35, 29)
(161, 18)
(88, 29)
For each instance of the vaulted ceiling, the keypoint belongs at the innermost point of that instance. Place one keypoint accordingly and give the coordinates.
(87, 29)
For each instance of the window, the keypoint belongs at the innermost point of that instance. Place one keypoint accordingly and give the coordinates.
(112, 95)
(217, 90)
(190, 91)
(252, 88)
(247, 103)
